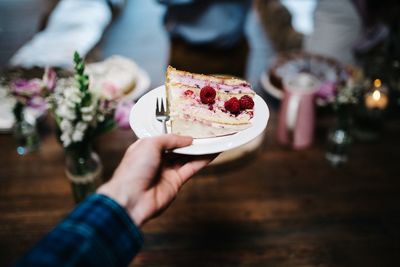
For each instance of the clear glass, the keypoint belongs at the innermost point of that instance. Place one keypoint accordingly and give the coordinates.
(339, 137)
(339, 141)
(26, 137)
(83, 167)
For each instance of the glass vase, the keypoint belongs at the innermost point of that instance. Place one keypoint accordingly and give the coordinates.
(83, 168)
(339, 141)
(26, 137)
(339, 137)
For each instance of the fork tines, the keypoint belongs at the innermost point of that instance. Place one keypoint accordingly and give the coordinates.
(162, 106)
(160, 109)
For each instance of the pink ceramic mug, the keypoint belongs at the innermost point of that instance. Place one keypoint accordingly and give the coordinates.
(297, 111)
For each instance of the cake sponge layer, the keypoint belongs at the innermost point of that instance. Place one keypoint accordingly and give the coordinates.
(197, 129)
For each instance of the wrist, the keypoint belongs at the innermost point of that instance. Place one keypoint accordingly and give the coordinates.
(123, 200)
(136, 215)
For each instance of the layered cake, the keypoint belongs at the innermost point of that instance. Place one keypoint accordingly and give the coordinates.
(205, 106)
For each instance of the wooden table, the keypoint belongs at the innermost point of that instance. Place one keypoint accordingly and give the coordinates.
(278, 208)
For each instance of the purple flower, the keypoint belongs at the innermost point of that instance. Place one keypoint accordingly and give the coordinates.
(122, 112)
(327, 91)
(49, 79)
(38, 104)
(26, 88)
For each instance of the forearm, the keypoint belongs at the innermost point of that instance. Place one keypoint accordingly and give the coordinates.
(98, 232)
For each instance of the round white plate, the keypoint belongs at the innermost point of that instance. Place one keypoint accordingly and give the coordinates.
(143, 122)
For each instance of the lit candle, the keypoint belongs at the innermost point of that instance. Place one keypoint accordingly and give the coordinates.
(377, 98)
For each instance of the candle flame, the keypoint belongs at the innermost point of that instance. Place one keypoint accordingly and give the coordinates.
(377, 83)
(376, 95)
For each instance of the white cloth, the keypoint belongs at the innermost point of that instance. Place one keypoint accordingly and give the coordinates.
(6, 109)
(74, 25)
(337, 26)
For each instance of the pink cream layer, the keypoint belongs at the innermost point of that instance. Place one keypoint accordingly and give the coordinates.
(192, 106)
(189, 80)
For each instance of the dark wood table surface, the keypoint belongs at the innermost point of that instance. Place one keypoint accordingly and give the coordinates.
(275, 208)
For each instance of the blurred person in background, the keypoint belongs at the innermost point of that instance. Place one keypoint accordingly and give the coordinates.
(337, 27)
(207, 29)
(198, 29)
(345, 28)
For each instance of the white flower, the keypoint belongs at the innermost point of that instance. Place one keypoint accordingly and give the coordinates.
(88, 109)
(66, 139)
(73, 94)
(100, 117)
(70, 104)
(87, 118)
(77, 135)
(81, 126)
(64, 112)
(66, 126)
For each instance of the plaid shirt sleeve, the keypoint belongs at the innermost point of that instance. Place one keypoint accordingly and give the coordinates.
(98, 232)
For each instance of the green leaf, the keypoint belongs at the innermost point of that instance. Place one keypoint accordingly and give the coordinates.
(77, 58)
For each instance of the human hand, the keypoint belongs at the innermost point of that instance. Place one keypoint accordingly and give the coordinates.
(148, 179)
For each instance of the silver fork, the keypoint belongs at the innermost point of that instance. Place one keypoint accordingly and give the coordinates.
(162, 114)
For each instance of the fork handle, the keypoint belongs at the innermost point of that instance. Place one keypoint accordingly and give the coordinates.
(165, 126)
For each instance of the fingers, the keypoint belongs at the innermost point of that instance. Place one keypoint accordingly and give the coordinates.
(171, 141)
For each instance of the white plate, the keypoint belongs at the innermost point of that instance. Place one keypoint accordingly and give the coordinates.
(144, 124)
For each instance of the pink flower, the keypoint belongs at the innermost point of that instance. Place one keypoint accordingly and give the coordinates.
(110, 91)
(26, 88)
(327, 91)
(122, 112)
(37, 103)
(49, 79)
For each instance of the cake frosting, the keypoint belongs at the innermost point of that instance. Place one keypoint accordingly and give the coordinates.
(206, 106)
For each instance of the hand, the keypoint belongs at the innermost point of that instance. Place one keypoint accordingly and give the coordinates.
(148, 179)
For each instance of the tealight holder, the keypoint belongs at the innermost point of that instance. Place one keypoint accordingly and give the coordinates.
(370, 113)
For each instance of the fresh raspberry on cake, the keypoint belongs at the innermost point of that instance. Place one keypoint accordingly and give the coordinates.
(232, 105)
(204, 106)
(207, 95)
(246, 102)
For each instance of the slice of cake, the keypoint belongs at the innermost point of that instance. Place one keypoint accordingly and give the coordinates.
(205, 106)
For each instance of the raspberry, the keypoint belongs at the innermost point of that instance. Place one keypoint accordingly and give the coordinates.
(207, 95)
(246, 102)
(232, 105)
(188, 93)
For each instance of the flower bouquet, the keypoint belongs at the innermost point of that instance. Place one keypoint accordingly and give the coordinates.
(30, 96)
(81, 115)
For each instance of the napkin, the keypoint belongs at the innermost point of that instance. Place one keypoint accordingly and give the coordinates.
(6, 109)
(74, 25)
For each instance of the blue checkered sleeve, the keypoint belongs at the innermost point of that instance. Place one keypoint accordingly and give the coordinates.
(98, 232)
